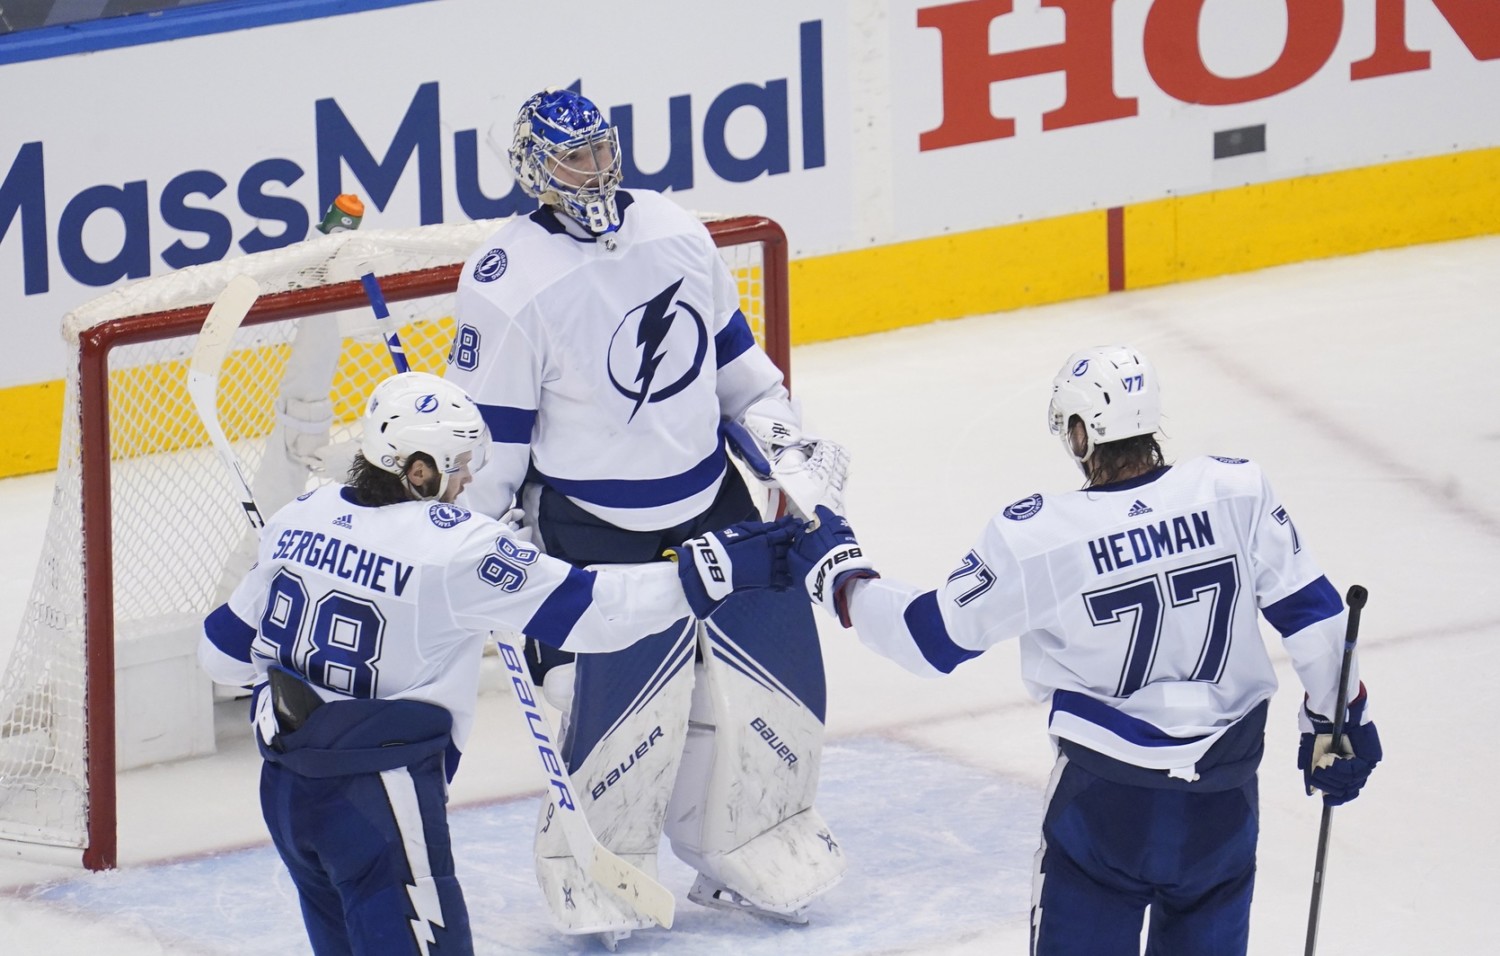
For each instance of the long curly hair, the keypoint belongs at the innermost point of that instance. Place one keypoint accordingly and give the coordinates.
(1126, 458)
(374, 486)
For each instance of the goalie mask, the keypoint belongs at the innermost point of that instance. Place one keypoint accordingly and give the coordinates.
(565, 154)
(416, 412)
(1112, 390)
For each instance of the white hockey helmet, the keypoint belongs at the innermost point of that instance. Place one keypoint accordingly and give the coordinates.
(416, 412)
(1112, 389)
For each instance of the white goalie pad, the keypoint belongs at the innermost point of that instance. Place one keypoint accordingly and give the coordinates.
(623, 787)
(742, 811)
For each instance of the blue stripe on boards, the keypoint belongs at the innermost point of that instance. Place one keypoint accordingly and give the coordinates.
(225, 16)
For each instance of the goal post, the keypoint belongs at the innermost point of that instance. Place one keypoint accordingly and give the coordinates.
(144, 536)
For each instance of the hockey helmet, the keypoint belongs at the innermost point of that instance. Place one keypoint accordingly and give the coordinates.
(565, 154)
(416, 412)
(1112, 390)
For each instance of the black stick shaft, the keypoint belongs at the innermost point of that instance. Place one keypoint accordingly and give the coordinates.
(1355, 599)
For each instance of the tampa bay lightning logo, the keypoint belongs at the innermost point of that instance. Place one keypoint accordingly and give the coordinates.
(1023, 509)
(445, 515)
(427, 404)
(649, 351)
(491, 265)
(1229, 461)
(1081, 367)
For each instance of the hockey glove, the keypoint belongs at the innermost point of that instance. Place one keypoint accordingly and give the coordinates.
(826, 558)
(1340, 776)
(751, 554)
(807, 471)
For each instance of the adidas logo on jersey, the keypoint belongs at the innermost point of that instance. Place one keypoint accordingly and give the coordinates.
(347, 521)
(1138, 509)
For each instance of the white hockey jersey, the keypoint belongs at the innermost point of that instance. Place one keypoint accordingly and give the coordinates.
(1135, 604)
(396, 602)
(606, 364)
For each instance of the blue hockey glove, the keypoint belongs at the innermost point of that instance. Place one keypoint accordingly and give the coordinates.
(1341, 776)
(751, 554)
(826, 558)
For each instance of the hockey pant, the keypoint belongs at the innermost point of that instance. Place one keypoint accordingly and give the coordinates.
(362, 821)
(710, 732)
(1110, 851)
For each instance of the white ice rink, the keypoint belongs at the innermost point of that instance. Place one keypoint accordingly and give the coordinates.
(1368, 387)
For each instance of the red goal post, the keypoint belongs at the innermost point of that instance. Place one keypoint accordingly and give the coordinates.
(145, 535)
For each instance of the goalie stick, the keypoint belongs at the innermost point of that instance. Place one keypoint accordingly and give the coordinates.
(224, 317)
(1356, 599)
(628, 883)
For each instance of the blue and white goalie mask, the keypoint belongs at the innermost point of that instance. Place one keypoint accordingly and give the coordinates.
(1112, 390)
(566, 155)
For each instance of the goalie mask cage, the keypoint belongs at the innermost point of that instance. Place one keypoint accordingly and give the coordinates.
(145, 534)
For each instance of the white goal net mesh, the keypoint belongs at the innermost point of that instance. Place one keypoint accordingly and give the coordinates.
(176, 536)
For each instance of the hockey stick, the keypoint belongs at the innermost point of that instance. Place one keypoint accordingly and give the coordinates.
(224, 317)
(376, 295)
(628, 883)
(1356, 599)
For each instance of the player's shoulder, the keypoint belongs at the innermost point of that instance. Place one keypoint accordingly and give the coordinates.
(1224, 471)
(517, 260)
(652, 215)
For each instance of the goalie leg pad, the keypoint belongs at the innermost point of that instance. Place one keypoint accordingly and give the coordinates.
(742, 810)
(622, 746)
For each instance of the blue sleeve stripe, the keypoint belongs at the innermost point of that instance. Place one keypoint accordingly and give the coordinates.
(925, 622)
(562, 608)
(1130, 729)
(228, 633)
(508, 424)
(1317, 602)
(733, 340)
(644, 492)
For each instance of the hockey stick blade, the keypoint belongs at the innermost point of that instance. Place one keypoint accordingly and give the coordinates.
(214, 341)
(628, 883)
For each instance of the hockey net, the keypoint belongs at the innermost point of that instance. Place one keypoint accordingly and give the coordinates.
(145, 534)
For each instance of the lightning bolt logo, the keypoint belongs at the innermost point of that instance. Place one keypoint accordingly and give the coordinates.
(429, 910)
(655, 324)
(654, 338)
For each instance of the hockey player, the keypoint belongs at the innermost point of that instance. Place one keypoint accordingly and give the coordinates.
(603, 339)
(1135, 601)
(361, 628)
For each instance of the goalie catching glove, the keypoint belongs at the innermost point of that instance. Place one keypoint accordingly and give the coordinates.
(751, 554)
(827, 559)
(807, 471)
(1340, 776)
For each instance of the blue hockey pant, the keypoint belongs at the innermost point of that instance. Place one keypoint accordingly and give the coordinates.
(1112, 851)
(371, 857)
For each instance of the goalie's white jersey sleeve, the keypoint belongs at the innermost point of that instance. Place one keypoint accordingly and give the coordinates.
(396, 602)
(1135, 604)
(604, 366)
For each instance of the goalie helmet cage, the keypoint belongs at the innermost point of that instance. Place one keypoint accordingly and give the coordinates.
(144, 531)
